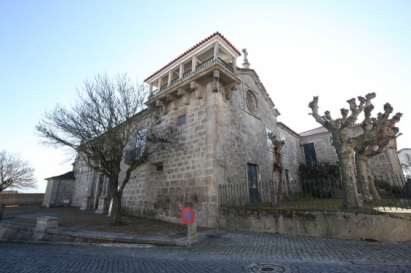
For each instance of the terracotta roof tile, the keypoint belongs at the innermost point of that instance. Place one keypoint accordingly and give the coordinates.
(191, 49)
(319, 130)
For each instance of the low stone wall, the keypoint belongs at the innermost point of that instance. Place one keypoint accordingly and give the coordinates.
(383, 227)
(21, 198)
(13, 232)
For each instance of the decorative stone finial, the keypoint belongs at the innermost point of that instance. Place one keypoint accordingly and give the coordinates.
(246, 64)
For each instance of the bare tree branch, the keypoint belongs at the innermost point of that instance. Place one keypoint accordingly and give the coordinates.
(15, 172)
(108, 116)
(343, 143)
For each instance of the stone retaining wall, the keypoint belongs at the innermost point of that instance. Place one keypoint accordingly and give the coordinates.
(21, 198)
(383, 227)
(11, 232)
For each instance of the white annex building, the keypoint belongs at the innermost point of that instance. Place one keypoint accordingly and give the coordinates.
(226, 114)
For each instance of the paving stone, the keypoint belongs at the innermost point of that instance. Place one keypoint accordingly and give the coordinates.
(220, 251)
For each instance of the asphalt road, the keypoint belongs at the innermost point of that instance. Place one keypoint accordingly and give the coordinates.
(220, 251)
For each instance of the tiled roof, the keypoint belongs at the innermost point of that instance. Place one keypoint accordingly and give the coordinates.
(321, 130)
(191, 49)
(316, 131)
(69, 175)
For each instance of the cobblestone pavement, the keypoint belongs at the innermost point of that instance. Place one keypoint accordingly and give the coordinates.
(220, 251)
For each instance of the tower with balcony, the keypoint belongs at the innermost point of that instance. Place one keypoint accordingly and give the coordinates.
(213, 59)
(223, 112)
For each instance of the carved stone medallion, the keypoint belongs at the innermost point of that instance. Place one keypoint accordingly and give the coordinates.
(251, 101)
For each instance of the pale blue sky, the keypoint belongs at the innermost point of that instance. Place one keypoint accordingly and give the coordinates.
(334, 49)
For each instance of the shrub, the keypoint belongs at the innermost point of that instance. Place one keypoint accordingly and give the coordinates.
(319, 181)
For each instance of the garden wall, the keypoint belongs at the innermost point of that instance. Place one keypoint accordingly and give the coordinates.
(21, 198)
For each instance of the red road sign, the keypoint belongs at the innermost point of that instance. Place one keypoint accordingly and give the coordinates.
(187, 215)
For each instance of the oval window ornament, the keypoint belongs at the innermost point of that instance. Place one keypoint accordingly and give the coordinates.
(251, 101)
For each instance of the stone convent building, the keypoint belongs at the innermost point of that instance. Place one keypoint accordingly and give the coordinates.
(225, 113)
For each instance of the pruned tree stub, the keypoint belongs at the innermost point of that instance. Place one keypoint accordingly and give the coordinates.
(277, 166)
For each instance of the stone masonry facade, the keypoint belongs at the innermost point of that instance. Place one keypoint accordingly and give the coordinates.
(227, 117)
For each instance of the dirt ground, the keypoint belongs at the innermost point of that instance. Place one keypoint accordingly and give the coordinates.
(88, 220)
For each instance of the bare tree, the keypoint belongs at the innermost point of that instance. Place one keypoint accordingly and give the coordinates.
(109, 118)
(343, 143)
(278, 167)
(15, 173)
(377, 134)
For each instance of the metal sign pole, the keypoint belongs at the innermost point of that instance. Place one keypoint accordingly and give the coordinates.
(189, 239)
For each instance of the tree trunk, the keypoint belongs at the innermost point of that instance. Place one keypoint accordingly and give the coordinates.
(116, 207)
(373, 189)
(278, 174)
(351, 199)
(361, 161)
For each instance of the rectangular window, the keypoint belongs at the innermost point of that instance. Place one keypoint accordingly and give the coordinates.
(181, 120)
(252, 182)
(294, 147)
(156, 167)
(310, 157)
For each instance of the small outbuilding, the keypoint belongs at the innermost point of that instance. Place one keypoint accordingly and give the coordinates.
(59, 190)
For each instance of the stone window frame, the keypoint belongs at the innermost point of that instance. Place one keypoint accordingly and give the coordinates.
(284, 149)
(294, 148)
(253, 105)
(178, 120)
(257, 100)
(176, 114)
(257, 170)
(154, 167)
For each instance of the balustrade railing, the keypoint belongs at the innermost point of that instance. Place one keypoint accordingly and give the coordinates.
(204, 64)
(187, 74)
(163, 88)
(174, 81)
(226, 65)
(153, 93)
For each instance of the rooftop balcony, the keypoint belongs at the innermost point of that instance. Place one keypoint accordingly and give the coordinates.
(187, 75)
(214, 57)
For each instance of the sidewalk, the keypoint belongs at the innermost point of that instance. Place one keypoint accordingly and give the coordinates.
(87, 226)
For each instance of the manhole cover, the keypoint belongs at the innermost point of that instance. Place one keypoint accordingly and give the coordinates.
(264, 267)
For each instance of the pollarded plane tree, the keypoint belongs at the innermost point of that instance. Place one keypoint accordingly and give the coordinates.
(108, 118)
(343, 143)
(278, 167)
(377, 135)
